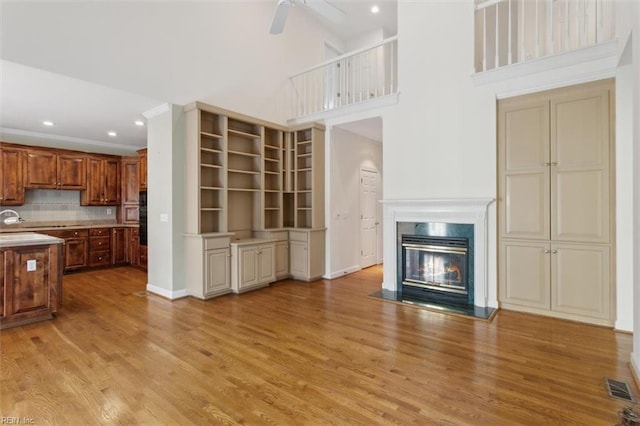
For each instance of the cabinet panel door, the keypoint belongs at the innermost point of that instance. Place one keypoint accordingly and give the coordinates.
(581, 277)
(41, 169)
(72, 172)
(3, 299)
(282, 259)
(217, 271)
(523, 157)
(112, 181)
(11, 177)
(130, 185)
(266, 263)
(525, 274)
(248, 266)
(94, 195)
(76, 251)
(31, 288)
(299, 263)
(118, 251)
(580, 139)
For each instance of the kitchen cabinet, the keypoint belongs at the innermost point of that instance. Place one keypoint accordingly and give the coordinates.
(142, 169)
(51, 169)
(118, 250)
(99, 247)
(306, 253)
(30, 280)
(132, 246)
(76, 247)
(11, 176)
(103, 182)
(555, 203)
(143, 257)
(130, 190)
(253, 264)
(209, 274)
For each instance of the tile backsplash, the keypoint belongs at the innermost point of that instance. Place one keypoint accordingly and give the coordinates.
(52, 205)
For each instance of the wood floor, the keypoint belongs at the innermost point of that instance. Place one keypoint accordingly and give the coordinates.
(300, 353)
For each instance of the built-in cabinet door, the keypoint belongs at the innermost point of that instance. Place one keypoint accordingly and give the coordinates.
(118, 250)
(72, 172)
(247, 267)
(217, 271)
(525, 273)
(11, 177)
(523, 136)
(31, 281)
(580, 140)
(266, 263)
(41, 169)
(112, 181)
(76, 252)
(580, 274)
(95, 187)
(103, 182)
(282, 259)
(299, 262)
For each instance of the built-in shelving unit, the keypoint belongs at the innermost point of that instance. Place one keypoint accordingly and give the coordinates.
(251, 180)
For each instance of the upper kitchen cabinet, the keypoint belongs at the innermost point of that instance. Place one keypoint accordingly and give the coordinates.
(130, 189)
(11, 177)
(142, 169)
(103, 182)
(51, 169)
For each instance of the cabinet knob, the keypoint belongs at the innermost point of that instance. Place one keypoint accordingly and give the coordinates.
(75, 233)
(100, 243)
(100, 258)
(554, 251)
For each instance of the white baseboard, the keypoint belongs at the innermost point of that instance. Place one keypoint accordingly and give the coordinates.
(171, 295)
(342, 272)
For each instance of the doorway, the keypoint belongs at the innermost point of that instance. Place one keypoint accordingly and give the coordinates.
(368, 217)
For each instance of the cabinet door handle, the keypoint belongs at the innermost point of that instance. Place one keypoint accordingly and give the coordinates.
(547, 251)
(554, 251)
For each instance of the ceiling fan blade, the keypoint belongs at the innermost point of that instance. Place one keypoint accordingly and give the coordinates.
(327, 10)
(280, 17)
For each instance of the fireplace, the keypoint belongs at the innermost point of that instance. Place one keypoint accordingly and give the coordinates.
(435, 267)
(461, 222)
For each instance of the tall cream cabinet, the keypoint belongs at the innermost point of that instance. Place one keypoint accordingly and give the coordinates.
(248, 182)
(556, 205)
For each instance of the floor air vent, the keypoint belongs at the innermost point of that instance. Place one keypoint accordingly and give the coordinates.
(620, 390)
(140, 293)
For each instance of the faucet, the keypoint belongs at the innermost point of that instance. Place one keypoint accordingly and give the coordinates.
(13, 219)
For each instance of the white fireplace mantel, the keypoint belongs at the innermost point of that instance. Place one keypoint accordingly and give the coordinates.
(463, 210)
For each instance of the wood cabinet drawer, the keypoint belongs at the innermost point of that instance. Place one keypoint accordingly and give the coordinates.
(216, 243)
(99, 258)
(99, 232)
(99, 243)
(68, 233)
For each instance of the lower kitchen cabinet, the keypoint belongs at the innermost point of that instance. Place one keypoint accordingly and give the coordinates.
(208, 269)
(99, 247)
(254, 264)
(118, 246)
(565, 280)
(76, 247)
(30, 283)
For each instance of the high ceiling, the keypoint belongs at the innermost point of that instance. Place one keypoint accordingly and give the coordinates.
(93, 67)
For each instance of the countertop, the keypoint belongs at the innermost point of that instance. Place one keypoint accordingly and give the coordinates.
(52, 225)
(15, 239)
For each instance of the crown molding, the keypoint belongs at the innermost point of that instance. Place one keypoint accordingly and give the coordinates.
(154, 112)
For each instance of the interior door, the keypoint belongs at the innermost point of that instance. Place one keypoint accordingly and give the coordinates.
(368, 217)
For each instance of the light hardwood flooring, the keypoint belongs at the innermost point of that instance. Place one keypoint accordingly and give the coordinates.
(300, 353)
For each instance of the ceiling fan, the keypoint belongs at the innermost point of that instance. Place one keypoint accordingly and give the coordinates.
(321, 7)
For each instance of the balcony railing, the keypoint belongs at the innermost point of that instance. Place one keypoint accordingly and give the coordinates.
(514, 31)
(363, 75)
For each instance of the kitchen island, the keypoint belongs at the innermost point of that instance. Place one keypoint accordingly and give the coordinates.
(30, 278)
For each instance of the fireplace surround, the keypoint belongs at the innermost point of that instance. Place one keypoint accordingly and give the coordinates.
(454, 218)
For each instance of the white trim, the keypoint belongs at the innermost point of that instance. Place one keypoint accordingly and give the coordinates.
(635, 365)
(342, 272)
(379, 102)
(69, 139)
(171, 295)
(465, 210)
(154, 112)
(607, 51)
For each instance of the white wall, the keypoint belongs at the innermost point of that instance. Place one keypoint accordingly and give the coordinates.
(165, 223)
(348, 154)
(440, 141)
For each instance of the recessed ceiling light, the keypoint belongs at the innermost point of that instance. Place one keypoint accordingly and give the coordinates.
(139, 123)
(47, 123)
(112, 134)
(375, 9)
